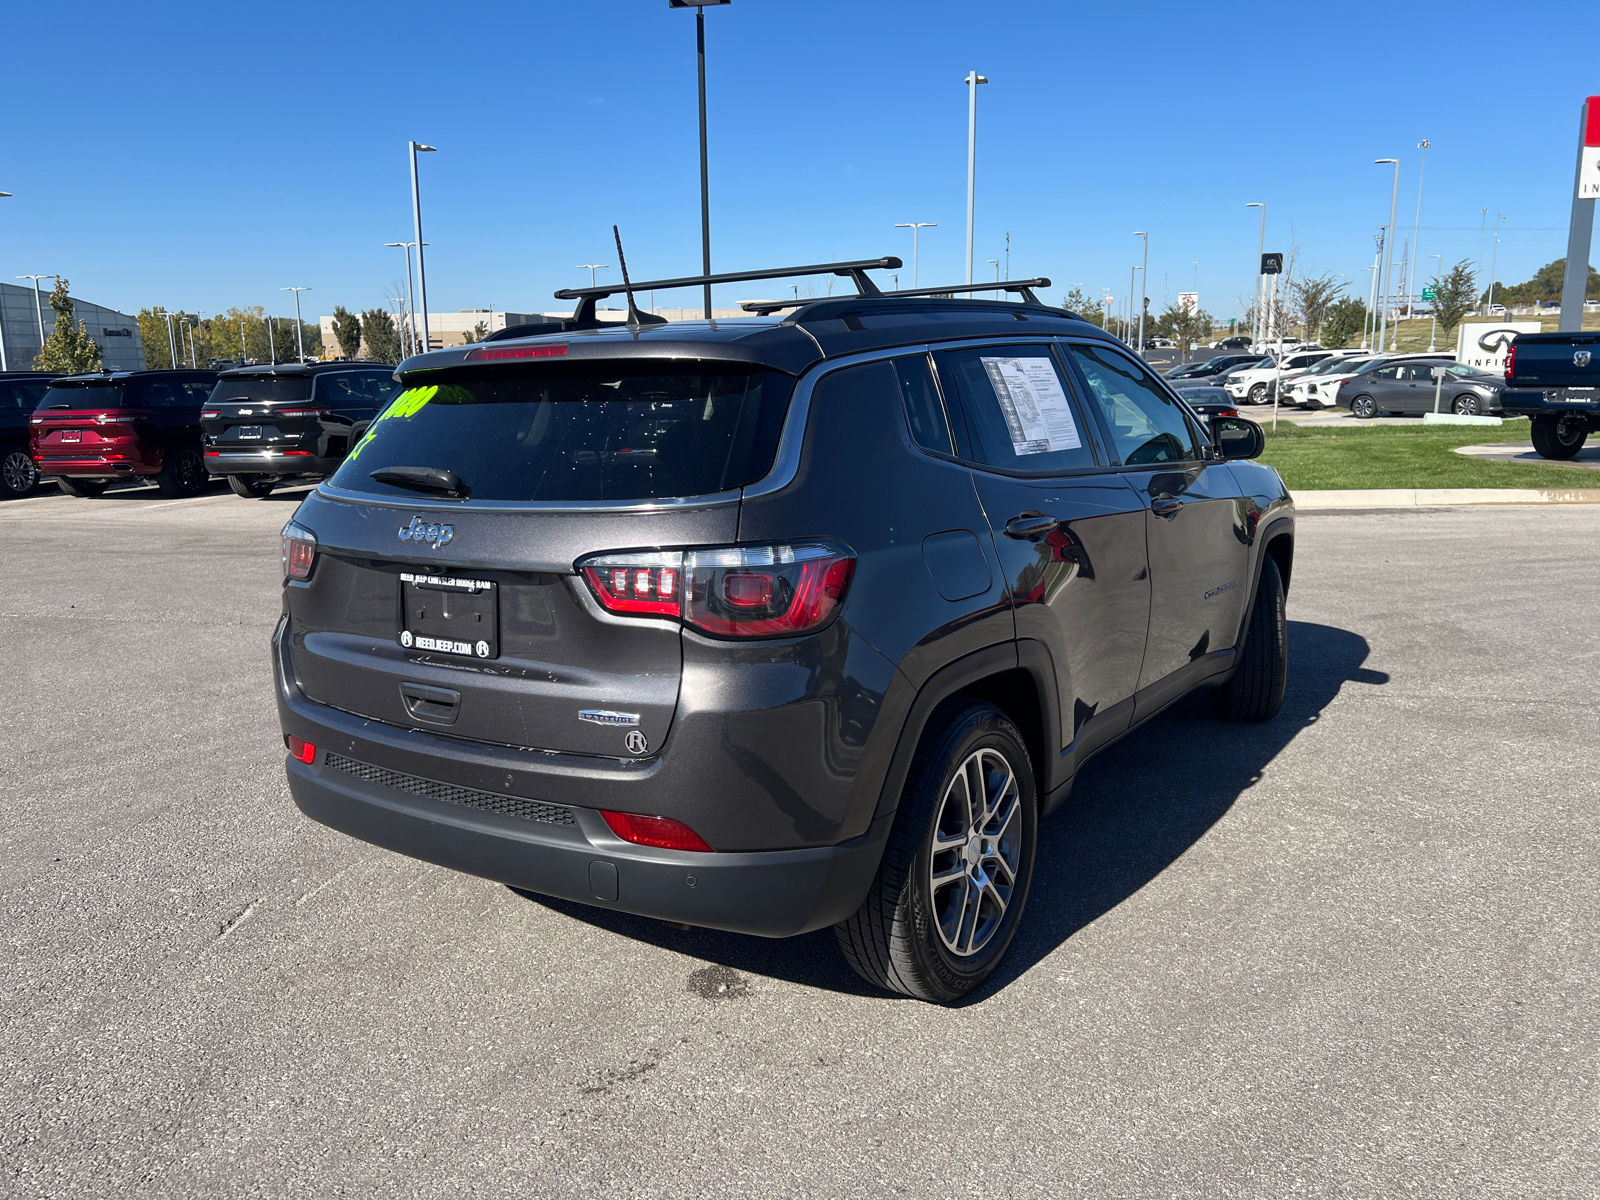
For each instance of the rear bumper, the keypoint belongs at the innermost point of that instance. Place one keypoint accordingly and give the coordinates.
(267, 462)
(1531, 403)
(773, 893)
(93, 466)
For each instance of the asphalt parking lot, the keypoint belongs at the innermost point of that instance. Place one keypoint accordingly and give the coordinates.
(1352, 952)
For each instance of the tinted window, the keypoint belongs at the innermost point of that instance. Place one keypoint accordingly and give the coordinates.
(84, 395)
(382, 388)
(199, 393)
(604, 431)
(1018, 408)
(16, 393)
(342, 389)
(1386, 373)
(160, 394)
(924, 410)
(247, 389)
(1147, 425)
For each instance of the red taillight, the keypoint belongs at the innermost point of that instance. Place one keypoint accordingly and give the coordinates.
(210, 414)
(213, 453)
(504, 353)
(662, 832)
(1511, 359)
(303, 751)
(297, 454)
(732, 591)
(299, 551)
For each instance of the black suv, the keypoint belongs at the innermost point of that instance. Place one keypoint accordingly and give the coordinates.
(20, 393)
(772, 624)
(265, 424)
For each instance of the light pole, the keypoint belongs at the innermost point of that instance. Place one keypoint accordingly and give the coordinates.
(1416, 237)
(916, 227)
(1433, 337)
(410, 343)
(972, 81)
(1144, 285)
(1366, 317)
(38, 309)
(592, 268)
(1383, 313)
(700, 7)
(1483, 224)
(1261, 248)
(1494, 263)
(172, 344)
(3, 364)
(299, 340)
(416, 216)
(1127, 329)
(996, 263)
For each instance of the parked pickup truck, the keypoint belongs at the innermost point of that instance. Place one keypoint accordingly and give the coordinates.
(1554, 379)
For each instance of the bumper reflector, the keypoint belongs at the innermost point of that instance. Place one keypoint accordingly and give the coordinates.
(303, 751)
(662, 832)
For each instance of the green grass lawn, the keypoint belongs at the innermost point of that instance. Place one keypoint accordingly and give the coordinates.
(1389, 456)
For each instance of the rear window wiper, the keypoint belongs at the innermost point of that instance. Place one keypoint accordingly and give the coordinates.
(424, 479)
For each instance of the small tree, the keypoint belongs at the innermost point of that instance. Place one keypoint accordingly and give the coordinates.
(1085, 305)
(1345, 318)
(476, 334)
(382, 338)
(1314, 296)
(347, 331)
(69, 349)
(1454, 296)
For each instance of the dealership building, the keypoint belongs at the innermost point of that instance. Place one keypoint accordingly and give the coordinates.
(117, 334)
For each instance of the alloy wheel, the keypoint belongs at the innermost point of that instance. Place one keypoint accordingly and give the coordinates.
(1466, 406)
(19, 472)
(977, 844)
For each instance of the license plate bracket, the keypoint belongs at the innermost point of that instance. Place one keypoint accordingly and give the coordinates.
(455, 616)
(72, 435)
(249, 433)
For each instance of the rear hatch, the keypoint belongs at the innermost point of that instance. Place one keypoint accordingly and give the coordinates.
(93, 420)
(451, 603)
(1550, 360)
(266, 412)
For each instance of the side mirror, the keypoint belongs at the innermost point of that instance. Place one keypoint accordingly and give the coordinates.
(1237, 437)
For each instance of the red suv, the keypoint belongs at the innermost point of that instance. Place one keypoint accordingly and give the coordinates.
(91, 429)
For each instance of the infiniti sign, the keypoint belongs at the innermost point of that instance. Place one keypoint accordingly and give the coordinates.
(1482, 345)
(437, 536)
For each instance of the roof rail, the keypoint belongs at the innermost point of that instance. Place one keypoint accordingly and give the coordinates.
(1024, 286)
(585, 317)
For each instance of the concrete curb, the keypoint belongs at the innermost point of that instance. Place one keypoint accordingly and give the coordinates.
(1441, 497)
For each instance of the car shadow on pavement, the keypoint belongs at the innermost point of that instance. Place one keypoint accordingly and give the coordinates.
(1134, 811)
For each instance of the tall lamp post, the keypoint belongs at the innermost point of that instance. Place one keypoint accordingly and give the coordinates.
(700, 7)
(1144, 288)
(996, 264)
(409, 344)
(592, 268)
(916, 227)
(972, 81)
(1387, 265)
(1494, 262)
(38, 308)
(3, 365)
(416, 216)
(1433, 337)
(1261, 248)
(1416, 237)
(299, 328)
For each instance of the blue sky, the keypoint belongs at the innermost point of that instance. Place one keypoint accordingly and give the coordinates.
(201, 156)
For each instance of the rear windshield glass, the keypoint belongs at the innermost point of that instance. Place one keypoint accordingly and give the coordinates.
(93, 394)
(611, 431)
(260, 391)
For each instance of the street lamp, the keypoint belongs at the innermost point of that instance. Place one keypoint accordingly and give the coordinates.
(416, 215)
(1433, 338)
(3, 365)
(593, 267)
(38, 309)
(409, 345)
(1494, 262)
(1144, 282)
(996, 263)
(1416, 237)
(1386, 265)
(972, 81)
(916, 227)
(700, 7)
(299, 340)
(1261, 248)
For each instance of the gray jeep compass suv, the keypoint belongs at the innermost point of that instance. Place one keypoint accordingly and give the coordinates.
(775, 623)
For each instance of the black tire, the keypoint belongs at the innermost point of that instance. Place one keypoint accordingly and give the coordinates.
(1255, 693)
(19, 474)
(1363, 408)
(1558, 438)
(252, 487)
(1258, 393)
(83, 488)
(898, 939)
(1466, 406)
(183, 471)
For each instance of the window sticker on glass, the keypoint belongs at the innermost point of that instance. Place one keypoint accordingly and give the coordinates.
(1035, 407)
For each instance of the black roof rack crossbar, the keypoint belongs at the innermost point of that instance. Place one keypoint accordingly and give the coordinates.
(1024, 286)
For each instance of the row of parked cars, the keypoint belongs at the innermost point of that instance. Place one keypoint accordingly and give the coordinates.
(1368, 384)
(254, 426)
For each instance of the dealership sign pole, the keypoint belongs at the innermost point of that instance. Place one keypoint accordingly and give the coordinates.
(1584, 191)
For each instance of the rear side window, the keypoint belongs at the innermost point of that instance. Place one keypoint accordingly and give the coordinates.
(924, 410)
(606, 431)
(1147, 425)
(17, 394)
(342, 389)
(1018, 409)
(382, 388)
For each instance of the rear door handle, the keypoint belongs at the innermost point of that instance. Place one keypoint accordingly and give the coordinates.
(437, 705)
(1031, 525)
(1166, 506)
